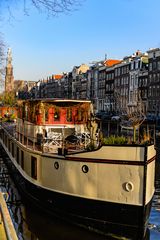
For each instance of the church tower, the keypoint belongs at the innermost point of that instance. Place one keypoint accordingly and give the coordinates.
(9, 79)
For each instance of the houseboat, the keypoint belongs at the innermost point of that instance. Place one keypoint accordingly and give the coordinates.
(58, 161)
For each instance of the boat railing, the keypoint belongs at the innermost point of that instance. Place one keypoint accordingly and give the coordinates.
(53, 143)
(71, 143)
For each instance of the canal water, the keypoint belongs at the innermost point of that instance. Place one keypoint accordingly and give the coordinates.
(32, 224)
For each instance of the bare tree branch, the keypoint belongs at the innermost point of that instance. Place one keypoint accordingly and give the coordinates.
(56, 6)
(52, 7)
(2, 55)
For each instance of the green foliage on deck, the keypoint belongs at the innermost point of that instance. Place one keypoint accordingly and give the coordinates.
(115, 140)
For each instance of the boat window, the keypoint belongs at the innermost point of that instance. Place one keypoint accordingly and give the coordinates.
(56, 114)
(17, 155)
(85, 168)
(46, 115)
(56, 165)
(3, 136)
(79, 114)
(5, 140)
(9, 145)
(69, 114)
(34, 114)
(23, 111)
(12, 149)
(26, 113)
(34, 167)
(22, 160)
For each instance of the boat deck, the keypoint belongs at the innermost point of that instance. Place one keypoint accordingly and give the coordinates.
(47, 145)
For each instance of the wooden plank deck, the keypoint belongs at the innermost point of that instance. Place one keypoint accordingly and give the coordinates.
(2, 230)
(7, 230)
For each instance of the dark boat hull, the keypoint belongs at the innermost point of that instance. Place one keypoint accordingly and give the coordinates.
(102, 217)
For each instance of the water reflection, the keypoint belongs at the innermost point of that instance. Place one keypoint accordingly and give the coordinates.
(154, 220)
(36, 225)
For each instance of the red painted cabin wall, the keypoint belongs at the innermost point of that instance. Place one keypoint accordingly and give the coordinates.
(62, 117)
(79, 114)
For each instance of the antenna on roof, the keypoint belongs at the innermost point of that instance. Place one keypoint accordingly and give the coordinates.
(105, 56)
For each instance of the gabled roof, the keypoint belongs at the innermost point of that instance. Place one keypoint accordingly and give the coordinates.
(56, 77)
(111, 62)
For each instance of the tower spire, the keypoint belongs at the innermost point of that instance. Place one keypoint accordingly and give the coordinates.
(9, 56)
(9, 79)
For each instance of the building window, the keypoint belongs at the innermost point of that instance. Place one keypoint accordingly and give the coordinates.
(136, 65)
(154, 65)
(150, 66)
(34, 167)
(154, 55)
(132, 65)
(158, 65)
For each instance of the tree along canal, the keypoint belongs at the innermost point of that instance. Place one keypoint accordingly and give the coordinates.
(32, 224)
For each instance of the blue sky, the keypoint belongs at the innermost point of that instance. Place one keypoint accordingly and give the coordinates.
(43, 46)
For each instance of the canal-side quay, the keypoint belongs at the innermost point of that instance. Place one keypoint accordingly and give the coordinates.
(32, 224)
(7, 230)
